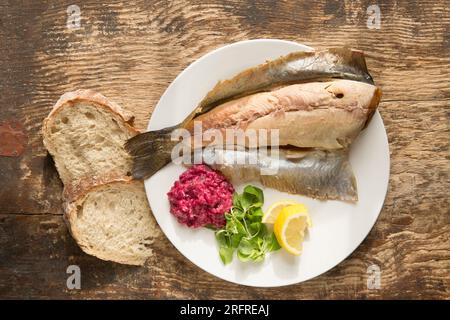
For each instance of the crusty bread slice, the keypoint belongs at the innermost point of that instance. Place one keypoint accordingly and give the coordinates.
(112, 221)
(106, 211)
(85, 134)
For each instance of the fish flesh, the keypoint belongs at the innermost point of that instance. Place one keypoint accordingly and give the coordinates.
(327, 115)
(324, 175)
(319, 114)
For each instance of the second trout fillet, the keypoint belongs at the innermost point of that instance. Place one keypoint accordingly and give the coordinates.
(324, 175)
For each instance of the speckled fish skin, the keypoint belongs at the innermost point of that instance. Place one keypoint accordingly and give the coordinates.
(324, 175)
(296, 67)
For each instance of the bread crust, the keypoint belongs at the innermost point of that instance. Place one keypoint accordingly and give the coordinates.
(77, 199)
(89, 96)
(76, 192)
(93, 97)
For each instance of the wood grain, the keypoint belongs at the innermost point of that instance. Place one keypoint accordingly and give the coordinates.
(131, 52)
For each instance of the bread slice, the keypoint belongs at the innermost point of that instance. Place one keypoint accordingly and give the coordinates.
(85, 134)
(106, 211)
(112, 221)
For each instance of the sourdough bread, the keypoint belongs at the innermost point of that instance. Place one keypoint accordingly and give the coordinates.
(85, 134)
(106, 211)
(112, 221)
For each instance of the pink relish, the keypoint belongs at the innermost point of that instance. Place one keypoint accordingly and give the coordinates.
(201, 197)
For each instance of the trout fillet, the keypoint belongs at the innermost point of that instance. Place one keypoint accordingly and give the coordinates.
(326, 115)
(324, 175)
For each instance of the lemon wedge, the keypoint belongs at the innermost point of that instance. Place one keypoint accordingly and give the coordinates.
(274, 210)
(290, 227)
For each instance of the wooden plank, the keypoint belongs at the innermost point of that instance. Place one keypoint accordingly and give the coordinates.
(132, 52)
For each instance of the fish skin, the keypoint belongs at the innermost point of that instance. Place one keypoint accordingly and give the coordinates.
(326, 115)
(296, 67)
(323, 175)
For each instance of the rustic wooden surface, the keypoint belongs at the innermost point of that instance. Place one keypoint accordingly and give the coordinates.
(131, 51)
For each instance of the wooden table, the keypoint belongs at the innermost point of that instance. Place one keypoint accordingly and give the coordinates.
(131, 52)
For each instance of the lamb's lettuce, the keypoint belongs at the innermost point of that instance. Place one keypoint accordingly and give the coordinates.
(244, 232)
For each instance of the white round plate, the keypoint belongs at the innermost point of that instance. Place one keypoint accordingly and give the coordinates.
(338, 227)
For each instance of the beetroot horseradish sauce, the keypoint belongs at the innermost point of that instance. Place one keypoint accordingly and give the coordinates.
(201, 197)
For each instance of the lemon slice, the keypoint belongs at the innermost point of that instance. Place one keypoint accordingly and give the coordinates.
(274, 210)
(290, 228)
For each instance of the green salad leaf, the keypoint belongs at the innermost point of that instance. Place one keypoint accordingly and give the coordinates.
(244, 232)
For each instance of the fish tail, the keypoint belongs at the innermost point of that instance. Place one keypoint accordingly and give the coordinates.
(150, 151)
